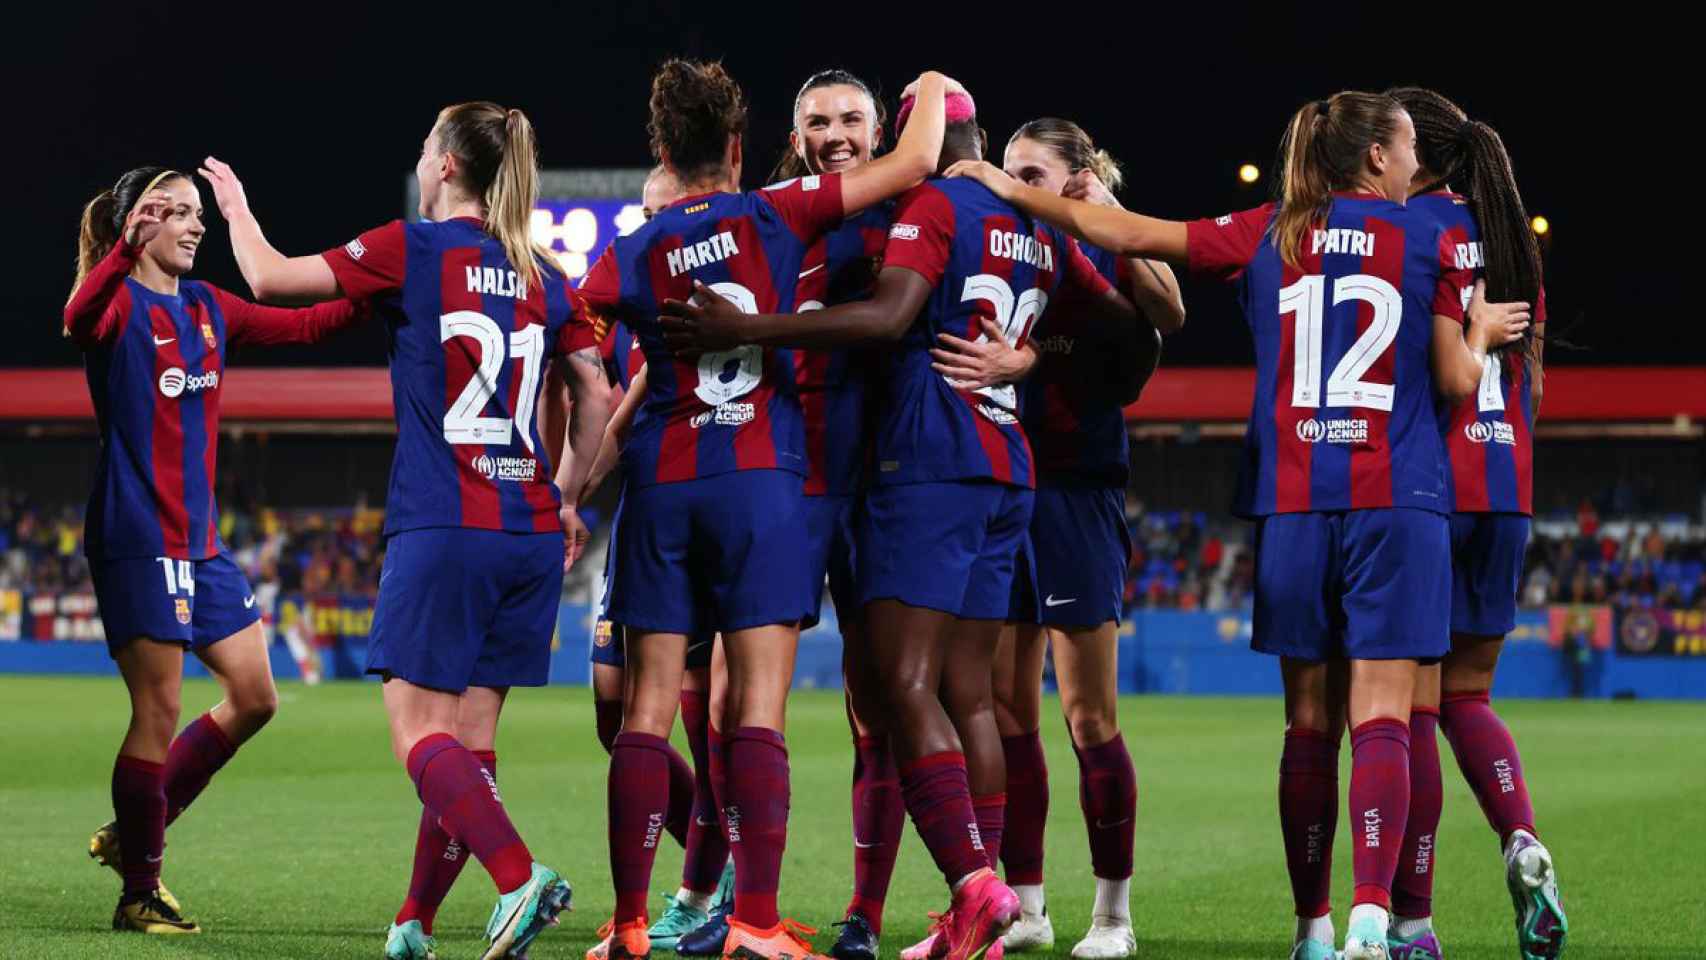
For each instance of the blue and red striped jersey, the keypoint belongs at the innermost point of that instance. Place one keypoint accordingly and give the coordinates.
(468, 346)
(1489, 439)
(841, 266)
(622, 356)
(986, 260)
(1343, 414)
(731, 409)
(1078, 435)
(155, 364)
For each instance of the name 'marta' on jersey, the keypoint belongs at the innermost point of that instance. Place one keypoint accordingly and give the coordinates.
(1490, 438)
(468, 345)
(155, 363)
(986, 260)
(840, 267)
(1343, 414)
(1077, 433)
(731, 409)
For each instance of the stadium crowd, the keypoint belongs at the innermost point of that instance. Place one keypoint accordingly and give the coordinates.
(1180, 560)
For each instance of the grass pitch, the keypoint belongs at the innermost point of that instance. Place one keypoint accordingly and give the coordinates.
(301, 847)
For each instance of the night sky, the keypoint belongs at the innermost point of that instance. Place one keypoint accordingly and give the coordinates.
(321, 110)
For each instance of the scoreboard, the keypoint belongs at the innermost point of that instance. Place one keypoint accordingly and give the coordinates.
(578, 214)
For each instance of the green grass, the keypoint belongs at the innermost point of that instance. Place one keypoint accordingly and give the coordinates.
(301, 848)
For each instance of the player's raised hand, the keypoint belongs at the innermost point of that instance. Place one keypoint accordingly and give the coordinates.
(949, 85)
(228, 193)
(575, 535)
(1085, 185)
(143, 224)
(975, 364)
(1492, 325)
(984, 172)
(706, 321)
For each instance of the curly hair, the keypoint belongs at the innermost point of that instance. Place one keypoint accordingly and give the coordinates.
(696, 107)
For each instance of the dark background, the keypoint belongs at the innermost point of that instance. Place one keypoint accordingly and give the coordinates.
(321, 109)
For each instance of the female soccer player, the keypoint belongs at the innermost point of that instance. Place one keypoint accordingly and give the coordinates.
(1490, 442)
(475, 547)
(711, 535)
(949, 502)
(1079, 548)
(1354, 304)
(154, 347)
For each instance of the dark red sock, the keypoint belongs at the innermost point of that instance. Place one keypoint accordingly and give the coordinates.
(1380, 804)
(707, 846)
(1413, 887)
(757, 813)
(139, 805)
(638, 799)
(1309, 816)
(938, 797)
(714, 746)
(990, 811)
(439, 859)
(608, 715)
(450, 780)
(198, 751)
(1027, 808)
(1487, 756)
(879, 816)
(679, 816)
(1107, 793)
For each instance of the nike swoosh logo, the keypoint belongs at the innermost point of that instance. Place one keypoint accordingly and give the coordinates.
(701, 821)
(863, 845)
(806, 273)
(160, 343)
(153, 859)
(1050, 601)
(248, 601)
(1104, 825)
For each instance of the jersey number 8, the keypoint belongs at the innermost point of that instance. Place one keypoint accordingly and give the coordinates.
(728, 374)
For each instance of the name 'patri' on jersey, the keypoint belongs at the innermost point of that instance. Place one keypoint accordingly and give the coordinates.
(985, 260)
(469, 340)
(1489, 437)
(1343, 415)
(731, 409)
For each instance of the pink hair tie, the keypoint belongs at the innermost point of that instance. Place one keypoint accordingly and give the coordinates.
(958, 107)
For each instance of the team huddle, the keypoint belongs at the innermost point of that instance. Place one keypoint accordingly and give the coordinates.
(901, 374)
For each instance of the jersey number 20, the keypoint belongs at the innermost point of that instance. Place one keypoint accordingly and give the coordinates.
(465, 421)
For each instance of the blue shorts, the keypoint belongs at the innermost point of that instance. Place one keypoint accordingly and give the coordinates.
(1486, 571)
(948, 546)
(719, 553)
(463, 608)
(1358, 584)
(609, 646)
(1078, 551)
(608, 641)
(194, 603)
(829, 553)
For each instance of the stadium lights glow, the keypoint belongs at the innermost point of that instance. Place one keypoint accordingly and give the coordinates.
(1540, 225)
(1248, 173)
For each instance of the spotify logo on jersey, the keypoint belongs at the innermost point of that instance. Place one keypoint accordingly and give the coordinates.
(174, 382)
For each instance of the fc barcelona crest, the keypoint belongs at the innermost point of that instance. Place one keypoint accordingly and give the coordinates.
(207, 335)
(183, 608)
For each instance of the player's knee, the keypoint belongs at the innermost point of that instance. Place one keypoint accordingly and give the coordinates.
(1092, 726)
(157, 710)
(257, 705)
